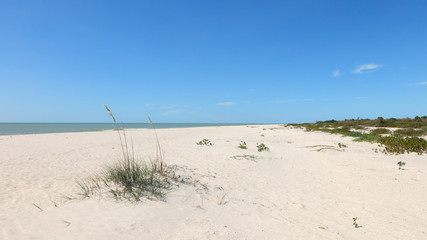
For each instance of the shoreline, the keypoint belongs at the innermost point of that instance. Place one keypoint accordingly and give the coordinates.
(10, 129)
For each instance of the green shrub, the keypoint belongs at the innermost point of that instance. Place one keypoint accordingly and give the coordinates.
(396, 143)
(378, 131)
(400, 145)
(409, 132)
(416, 122)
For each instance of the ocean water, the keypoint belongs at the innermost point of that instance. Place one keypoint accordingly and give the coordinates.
(37, 128)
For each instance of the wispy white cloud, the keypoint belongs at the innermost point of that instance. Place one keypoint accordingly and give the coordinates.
(281, 101)
(171, 112)
(226, 103)
(367, 68)
(336, 73)
(414, 84)
(169, 107)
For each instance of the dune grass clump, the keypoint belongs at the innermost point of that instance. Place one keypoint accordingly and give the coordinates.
(139, 180)
(131, 178)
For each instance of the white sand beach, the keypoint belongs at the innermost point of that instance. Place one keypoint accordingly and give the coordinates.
(304, 187)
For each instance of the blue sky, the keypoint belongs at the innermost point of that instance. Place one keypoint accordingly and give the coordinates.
(212, 61)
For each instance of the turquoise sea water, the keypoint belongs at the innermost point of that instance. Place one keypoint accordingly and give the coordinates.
(36, 128)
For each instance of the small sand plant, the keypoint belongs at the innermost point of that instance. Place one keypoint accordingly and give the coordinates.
(242, 145)
(355, 222)
(205, 142)
(261, 147)
(401, 164)
(131, 178)
(340, 145)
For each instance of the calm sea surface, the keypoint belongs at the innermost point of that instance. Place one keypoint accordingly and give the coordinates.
(35, 128)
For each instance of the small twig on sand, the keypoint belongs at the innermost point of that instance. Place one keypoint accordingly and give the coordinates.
(38, 207)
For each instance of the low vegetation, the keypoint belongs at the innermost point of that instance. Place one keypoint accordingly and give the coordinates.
(340, 145)
(378, 131)
(131, 178)
(400, 145)
(242, 145)
(245, 157)
(205, 142)
(409, 132)
(261, 147)
(404, 140)
(320, 148)
(355, 222)
(401, 164)
(416, 122)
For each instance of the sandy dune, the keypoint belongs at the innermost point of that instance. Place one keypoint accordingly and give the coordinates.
(305, 187)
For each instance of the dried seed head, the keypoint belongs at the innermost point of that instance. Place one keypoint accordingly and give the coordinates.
(109, 112)
(149, 119)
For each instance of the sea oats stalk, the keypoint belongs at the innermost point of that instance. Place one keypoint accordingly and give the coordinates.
(159, 156)
(126, 139)
(118, 131)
